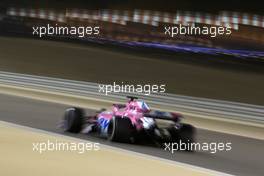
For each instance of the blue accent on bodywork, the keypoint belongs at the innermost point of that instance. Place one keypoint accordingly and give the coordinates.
(160, 113)
(145, 106)
(103, 124)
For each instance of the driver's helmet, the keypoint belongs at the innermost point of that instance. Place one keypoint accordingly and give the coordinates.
(142, 106)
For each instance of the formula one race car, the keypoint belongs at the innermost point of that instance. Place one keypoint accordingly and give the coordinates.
(131, 122)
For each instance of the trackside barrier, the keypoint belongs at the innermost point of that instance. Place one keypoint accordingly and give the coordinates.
(202, 106)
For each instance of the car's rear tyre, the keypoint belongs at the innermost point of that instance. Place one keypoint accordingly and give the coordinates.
(73, 120)
(121, 130)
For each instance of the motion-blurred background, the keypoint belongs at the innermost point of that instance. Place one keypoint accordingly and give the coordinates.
(144, 21)
(136, 28)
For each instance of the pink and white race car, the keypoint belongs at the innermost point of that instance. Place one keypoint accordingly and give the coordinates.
(131, 122)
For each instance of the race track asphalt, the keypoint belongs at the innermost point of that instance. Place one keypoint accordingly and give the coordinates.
(185, 74)
(245, 158)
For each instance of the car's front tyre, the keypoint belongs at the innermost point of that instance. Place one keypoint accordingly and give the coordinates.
(120, 129)
(184, 134)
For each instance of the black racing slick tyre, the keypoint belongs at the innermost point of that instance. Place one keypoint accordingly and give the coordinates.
(120, 129)
(185, 134)
(73, 120)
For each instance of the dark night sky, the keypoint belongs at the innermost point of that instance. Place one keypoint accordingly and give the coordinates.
(163, 5)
